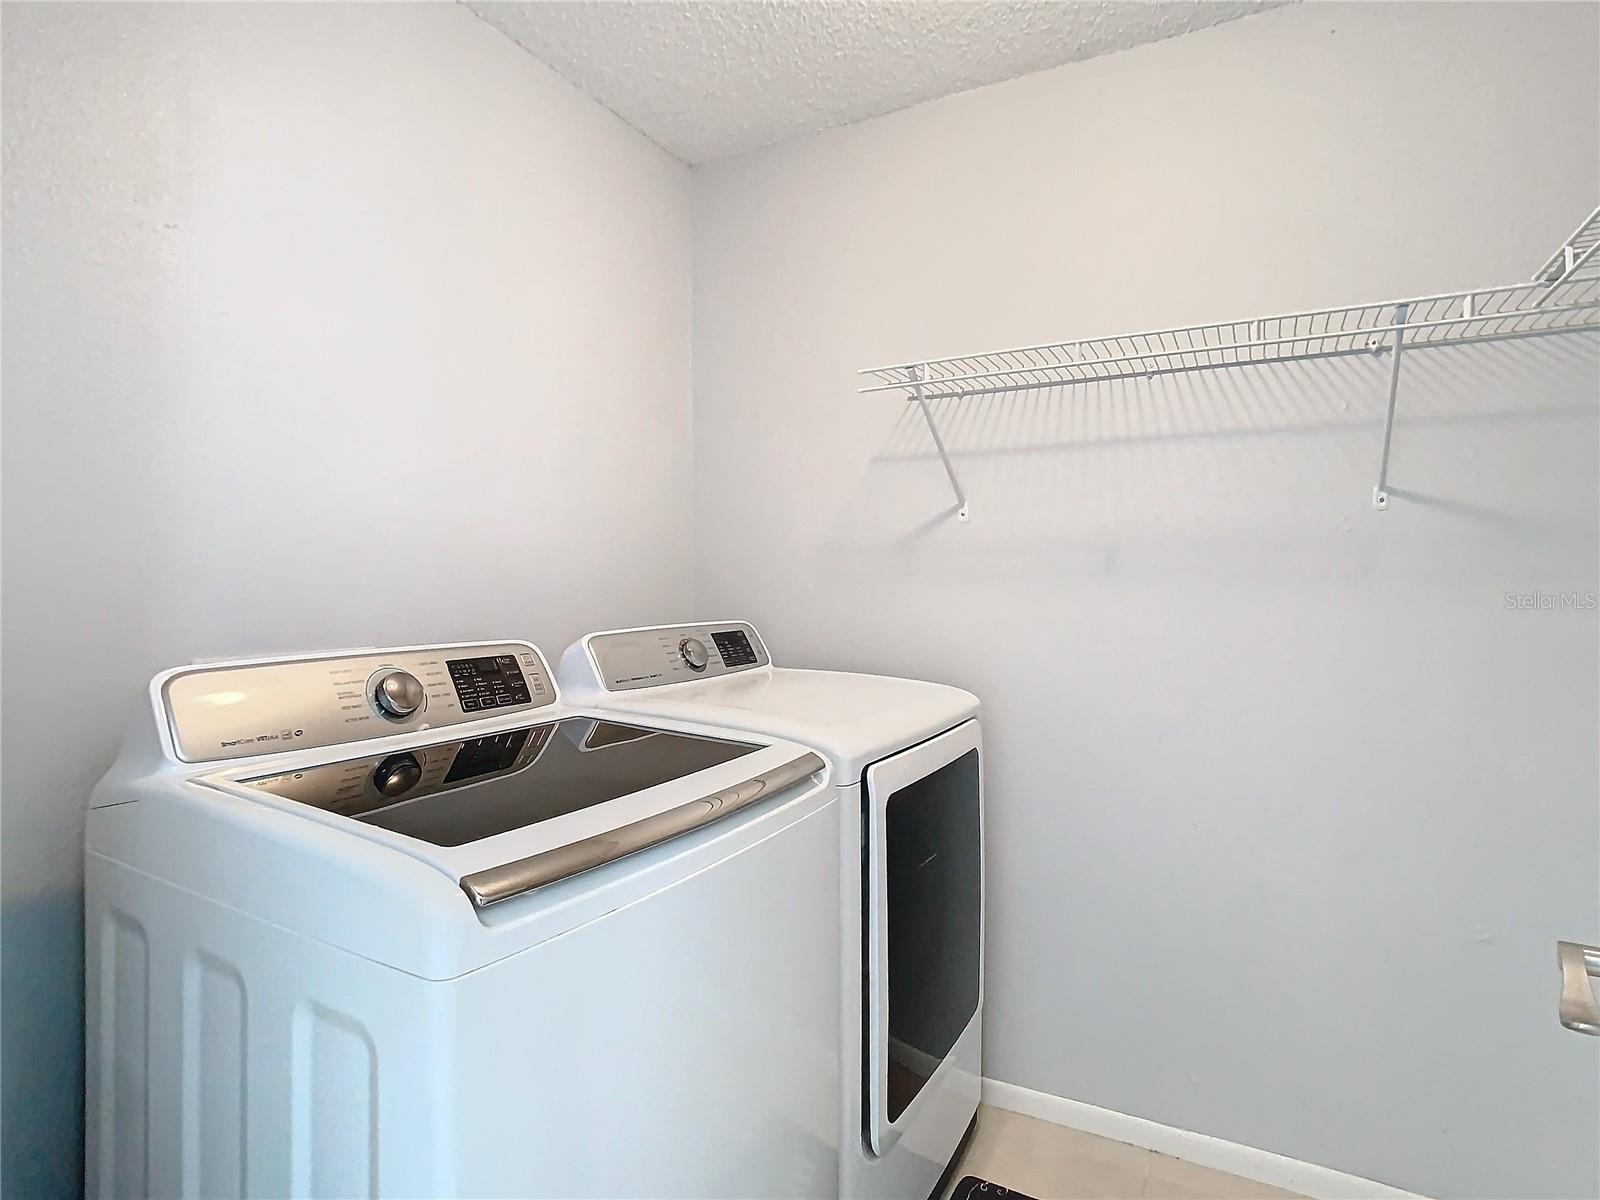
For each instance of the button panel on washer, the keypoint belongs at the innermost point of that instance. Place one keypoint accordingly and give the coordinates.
(486, 683)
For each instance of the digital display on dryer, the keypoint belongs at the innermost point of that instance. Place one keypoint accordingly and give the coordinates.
(735, 649)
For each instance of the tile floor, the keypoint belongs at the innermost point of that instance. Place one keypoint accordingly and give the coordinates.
(1051, 1162)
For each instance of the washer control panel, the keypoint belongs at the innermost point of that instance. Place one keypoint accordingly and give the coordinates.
(641, 658)
(241, 710)
(494, 681)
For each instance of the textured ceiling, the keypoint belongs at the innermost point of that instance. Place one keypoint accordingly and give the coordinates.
(710, 78)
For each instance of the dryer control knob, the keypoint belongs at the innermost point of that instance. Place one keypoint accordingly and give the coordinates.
(397, 775)
(694, 653)
(396, 694)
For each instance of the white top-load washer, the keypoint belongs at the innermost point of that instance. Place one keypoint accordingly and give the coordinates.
(402, 923)
(906, 762)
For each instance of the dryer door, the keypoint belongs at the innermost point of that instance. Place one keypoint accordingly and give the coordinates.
(924, 944)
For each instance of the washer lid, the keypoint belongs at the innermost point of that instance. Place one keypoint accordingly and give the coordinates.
(462, 791)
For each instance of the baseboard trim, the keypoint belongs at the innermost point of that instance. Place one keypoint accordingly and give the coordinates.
(1275, 1170)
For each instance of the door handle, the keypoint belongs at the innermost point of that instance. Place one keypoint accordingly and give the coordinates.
(1578, 964)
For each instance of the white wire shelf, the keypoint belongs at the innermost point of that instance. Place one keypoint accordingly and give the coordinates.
(1459, 318)
(1562, 298)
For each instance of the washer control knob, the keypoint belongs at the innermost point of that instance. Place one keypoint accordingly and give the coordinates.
(397, 775)
(694, 654)
(397, 694)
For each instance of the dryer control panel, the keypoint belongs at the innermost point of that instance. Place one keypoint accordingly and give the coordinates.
(641, 658)
(238, 710)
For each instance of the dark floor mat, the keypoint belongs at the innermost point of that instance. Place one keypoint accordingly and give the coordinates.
(973, 1188)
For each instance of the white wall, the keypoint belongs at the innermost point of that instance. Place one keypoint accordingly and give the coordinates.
(332, 324)
(324, 325)
(1286, 807)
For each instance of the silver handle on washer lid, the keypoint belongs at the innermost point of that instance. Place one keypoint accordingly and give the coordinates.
(495, 884)
(1578, 964)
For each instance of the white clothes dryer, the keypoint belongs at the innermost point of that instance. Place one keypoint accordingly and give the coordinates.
(906, 760)
(401, 923)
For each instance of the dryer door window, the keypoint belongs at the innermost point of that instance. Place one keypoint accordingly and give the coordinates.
(925, 917)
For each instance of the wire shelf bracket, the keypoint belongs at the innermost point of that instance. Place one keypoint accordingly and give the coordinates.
(962, 512)
(1563, 297)
(1380, 493)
